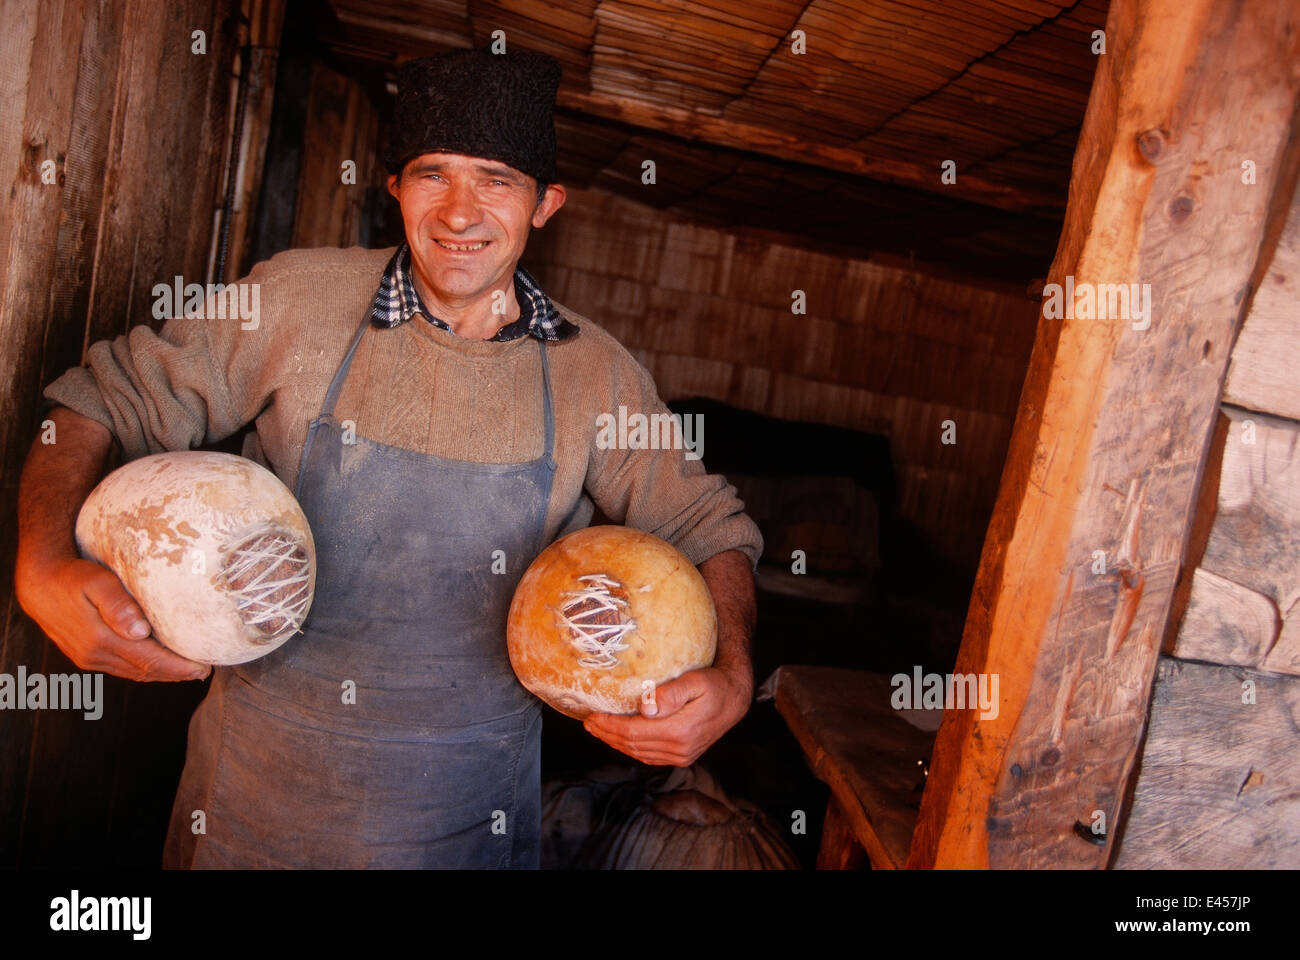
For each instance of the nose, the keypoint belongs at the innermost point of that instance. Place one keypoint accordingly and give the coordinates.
(459, 209)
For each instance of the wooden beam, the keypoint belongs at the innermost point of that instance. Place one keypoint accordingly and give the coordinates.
(1262, 375)
(755, 138)
(1114, 423)
(1219, 788)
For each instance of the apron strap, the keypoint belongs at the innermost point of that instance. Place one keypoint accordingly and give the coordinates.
(336, 385)
(548, 409)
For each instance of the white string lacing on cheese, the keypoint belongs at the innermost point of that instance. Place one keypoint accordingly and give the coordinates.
(600, 641)
(262, 601)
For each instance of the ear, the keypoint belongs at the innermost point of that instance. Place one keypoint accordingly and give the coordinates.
(552, 200)
(393, 188)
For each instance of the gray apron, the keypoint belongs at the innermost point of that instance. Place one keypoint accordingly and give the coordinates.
(392, 732)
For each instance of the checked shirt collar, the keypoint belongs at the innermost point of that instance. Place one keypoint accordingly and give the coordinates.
(398, 301)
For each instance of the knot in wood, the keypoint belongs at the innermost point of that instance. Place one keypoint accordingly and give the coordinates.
(1150, 143)
(1180, 208)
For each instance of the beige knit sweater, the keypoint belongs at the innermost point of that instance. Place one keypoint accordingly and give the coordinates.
(414, 386)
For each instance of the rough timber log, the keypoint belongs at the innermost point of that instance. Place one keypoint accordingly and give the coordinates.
(1115, 419)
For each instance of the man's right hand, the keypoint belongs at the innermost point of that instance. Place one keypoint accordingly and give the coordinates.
(89, 615)
(81, 605)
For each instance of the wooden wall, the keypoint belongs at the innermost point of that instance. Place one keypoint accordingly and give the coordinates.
(1218, 786)
(341, 125)
(136, 124)
(881, 348)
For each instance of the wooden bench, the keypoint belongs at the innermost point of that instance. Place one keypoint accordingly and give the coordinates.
(866, 752)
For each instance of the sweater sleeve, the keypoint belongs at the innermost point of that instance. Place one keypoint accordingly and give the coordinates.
(195, 381)
(663, 491)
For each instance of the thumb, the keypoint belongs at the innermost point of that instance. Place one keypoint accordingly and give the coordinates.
(116, 608)
(667, 699)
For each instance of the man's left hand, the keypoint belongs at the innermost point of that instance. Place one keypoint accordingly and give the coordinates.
(684, 718)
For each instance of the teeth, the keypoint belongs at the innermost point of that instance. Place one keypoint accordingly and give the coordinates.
(462, 246)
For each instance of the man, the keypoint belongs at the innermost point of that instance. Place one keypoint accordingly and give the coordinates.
(432, 409)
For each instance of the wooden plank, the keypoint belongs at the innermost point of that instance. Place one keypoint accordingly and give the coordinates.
(1113, 428)
(116, 97)
(1255, 540)
(1285, 655)
(82, 200)
(318, 220)
(1219, 788)
(37, 80)
(1226, 623)
(1247, 587)
(85, 750)
(861, 748)
(1262, 374)
(757, 138)
(156, 215)
(838, 848)
(341, 126)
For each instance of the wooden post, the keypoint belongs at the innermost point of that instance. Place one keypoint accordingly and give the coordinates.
(110, 145)
(1185, 161)
(266, 23)
(839, 849)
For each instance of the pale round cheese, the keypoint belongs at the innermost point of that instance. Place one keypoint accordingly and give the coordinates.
(213, 547)
(604, 616)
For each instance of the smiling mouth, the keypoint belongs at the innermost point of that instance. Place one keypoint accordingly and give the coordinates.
(463, 247)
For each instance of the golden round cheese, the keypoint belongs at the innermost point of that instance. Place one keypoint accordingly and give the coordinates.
(213, 547)
(605, 615)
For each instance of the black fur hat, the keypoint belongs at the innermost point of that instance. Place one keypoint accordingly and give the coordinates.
(481, 104)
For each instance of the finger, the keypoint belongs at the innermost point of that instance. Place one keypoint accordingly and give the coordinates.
(632, 728)
(668, 755)
(680, 755)
(642, 738)
(116, 608)
(665, 760)
(649, 729)
(156, 662)
(617, 731)
(667, 699)
(145, 660)
(130, 647)
(101, 652)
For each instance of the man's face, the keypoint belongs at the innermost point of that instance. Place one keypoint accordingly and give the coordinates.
(467, 221)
